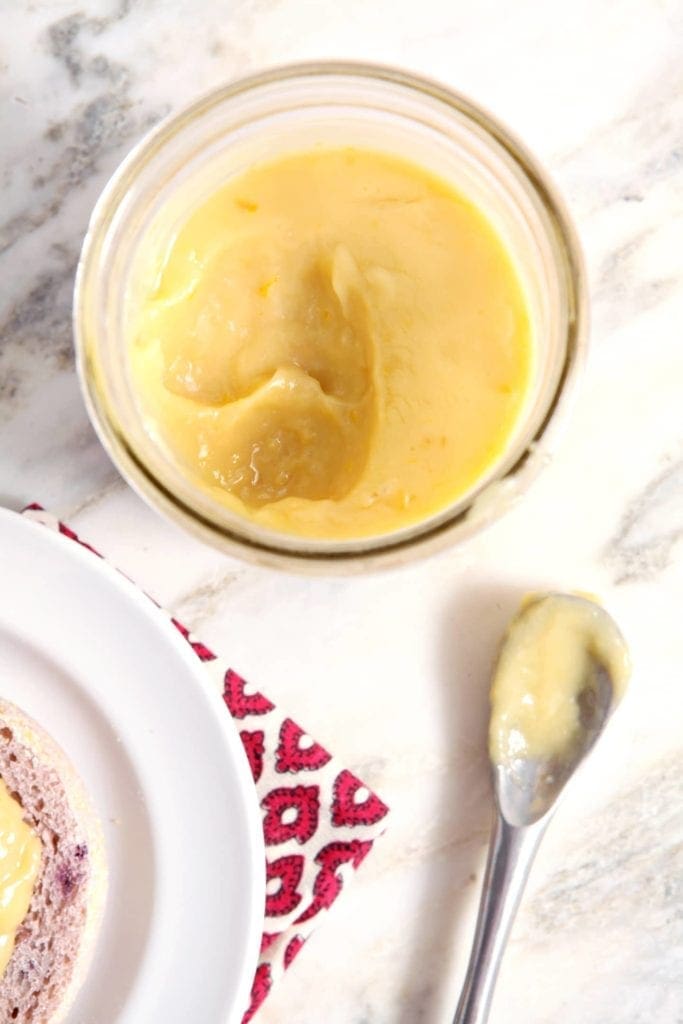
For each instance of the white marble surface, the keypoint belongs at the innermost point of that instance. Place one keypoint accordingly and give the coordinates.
(391, 671)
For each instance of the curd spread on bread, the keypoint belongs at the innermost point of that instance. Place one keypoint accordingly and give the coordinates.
(545, 661)
(19, 865)
(335, 344)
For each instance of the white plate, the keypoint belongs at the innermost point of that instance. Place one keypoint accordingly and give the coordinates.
(91, 659)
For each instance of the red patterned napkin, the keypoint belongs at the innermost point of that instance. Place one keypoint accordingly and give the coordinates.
(319, 820)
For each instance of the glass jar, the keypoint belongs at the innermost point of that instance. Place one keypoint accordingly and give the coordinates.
(186, 158)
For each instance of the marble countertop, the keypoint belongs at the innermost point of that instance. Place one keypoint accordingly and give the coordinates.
(392, 671)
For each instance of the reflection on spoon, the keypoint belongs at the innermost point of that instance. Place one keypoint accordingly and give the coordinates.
(562, 668)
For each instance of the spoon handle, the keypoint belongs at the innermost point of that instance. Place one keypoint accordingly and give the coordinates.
(511, 854)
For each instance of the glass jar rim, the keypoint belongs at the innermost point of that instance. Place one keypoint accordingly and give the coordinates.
(301, 553)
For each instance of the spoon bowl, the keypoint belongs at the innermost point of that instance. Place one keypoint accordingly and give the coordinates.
(550, 703)
(528, 788)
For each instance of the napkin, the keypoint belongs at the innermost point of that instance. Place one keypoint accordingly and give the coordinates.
(319, 820)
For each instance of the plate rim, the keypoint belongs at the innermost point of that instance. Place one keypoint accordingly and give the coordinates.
(160, 621)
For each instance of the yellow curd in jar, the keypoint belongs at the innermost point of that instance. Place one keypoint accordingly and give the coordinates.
(335, 344)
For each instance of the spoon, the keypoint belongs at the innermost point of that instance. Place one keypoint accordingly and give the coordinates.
(528, 781)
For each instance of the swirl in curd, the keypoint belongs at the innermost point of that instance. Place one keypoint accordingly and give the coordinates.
(335, 344)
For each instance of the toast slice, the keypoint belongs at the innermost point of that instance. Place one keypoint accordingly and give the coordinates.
(54, 942)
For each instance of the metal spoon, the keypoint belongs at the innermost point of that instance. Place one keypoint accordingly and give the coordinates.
(527, 792)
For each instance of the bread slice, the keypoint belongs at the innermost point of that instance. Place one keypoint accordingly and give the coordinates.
(55, 939)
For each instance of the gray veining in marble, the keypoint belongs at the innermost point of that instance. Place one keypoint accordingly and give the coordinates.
(392, 671)
(641, 549)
